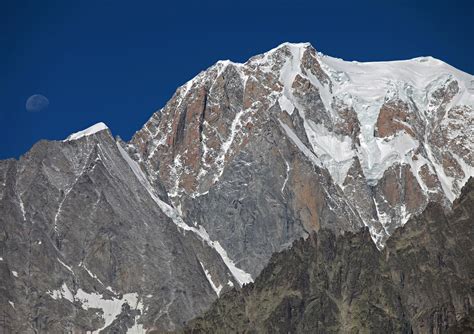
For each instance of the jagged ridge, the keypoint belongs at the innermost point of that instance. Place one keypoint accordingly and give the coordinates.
(420, 283)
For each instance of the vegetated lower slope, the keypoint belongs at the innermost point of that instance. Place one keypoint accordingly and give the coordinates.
(421, 282)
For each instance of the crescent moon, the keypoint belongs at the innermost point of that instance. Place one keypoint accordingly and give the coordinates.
(36, 102)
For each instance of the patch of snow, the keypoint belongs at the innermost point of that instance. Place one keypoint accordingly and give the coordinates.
(87, 132)
(197, 194)
(288, 168)
(378, 154)
(404, 214)
(306, 151)
(234, 128)
(65, 266)
(367, 86)
(1, 258)
(14, 273)
(217, 289)
(376, 236)
(241, 276)
(62, 293)
(373, 78)
(58, 212)
(383, 217)
(286, 104)
(11, 303)
(66, 193)
(446, 181)
(333, 150)
(22, 207)
(110, 289)
(136, 329)
(176, 172)
(111, 308)
(92, 275)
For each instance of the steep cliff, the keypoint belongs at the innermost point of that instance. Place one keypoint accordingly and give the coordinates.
(420, 283)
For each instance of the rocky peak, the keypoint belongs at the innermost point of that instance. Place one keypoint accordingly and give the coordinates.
(346, 115)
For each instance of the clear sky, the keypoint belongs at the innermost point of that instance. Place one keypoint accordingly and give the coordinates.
(119, 61)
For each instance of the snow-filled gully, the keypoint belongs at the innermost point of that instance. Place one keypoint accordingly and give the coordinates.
(240, 275)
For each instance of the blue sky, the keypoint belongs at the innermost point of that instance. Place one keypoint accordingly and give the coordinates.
(119, 61)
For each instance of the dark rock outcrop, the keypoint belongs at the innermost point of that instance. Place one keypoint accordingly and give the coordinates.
(420, 283)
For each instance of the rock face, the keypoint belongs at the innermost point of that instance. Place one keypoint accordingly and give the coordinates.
(420, 283)
(85, 245)
(99, 234)
(383, 139)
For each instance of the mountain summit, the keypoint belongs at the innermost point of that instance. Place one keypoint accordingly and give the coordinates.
(99, 234)
(391, 135)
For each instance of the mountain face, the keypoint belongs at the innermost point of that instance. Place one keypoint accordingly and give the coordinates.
(372, 143)
(420, 283)
(101, 235)
(87, 244)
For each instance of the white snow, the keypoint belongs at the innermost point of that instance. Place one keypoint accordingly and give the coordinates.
(22, 207)
(404, 214)
(286, 104)
(366, 87)
(87, 132)
(62, 292)
(241, 276)
(175, 173)
(65, 266)
(446, 181)
(69, 188)
(111, 308)
(217, 289)
(370, 80)
(11, 303)
(333, 150)
(92, 275)
(306, 151)
(384, 218)
(14, 273)
(234, 130)
(58, 212)
(380, 153)
(1, 258)
(288, 168)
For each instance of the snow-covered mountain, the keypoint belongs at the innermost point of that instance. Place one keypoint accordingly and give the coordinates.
(391, 135)
(244, 159)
